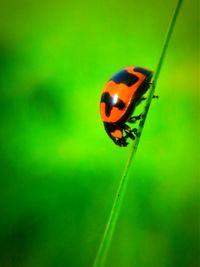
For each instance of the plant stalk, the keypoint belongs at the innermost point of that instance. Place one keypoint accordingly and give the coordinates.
(110, 226)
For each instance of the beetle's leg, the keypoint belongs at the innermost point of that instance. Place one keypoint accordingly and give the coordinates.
(155, 96)
(144, 98)
(122, 141)
(140, 100)
(135, 131)
(129, 132)
(133, 119)
(152, 84)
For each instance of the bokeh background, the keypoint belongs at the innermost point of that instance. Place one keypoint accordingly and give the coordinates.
(58, 169)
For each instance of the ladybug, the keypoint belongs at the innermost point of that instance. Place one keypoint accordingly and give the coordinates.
(120, 96)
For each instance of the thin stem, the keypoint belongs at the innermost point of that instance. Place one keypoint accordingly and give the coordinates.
(167, 39)
(110, 226)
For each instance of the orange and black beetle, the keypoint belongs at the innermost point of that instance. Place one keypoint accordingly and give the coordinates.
(121, 94)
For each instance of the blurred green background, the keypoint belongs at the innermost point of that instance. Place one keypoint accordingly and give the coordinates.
(58, 169)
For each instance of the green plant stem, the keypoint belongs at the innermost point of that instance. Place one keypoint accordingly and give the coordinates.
(110, 226)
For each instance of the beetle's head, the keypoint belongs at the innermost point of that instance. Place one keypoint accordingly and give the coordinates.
(115, 132)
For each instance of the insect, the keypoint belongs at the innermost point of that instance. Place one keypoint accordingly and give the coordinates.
(120, 96)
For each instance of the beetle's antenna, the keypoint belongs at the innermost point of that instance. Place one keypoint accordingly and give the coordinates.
(110, 226)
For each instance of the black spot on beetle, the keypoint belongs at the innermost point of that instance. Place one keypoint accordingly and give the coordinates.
(125, 77)
(143, 71)
(108, 100)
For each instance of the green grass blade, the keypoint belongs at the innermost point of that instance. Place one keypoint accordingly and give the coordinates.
(110, 226)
